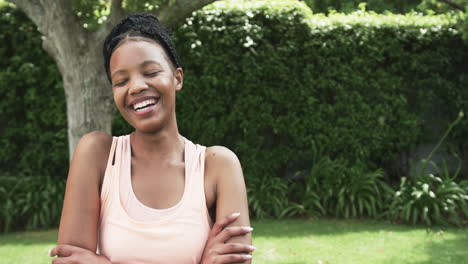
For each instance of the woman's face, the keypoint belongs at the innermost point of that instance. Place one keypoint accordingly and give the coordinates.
(144, 84)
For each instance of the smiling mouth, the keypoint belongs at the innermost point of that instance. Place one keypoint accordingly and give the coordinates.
(145, 105)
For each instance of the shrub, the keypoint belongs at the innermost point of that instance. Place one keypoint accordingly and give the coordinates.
(346, 190)
(268, 197)
(33, 135)
(430, 200)
(269, 81)
(30, 202)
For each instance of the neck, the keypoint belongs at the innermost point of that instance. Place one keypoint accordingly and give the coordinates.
(164, 144)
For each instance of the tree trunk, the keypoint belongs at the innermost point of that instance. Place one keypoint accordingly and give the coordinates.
(88, 93)
(89, 99)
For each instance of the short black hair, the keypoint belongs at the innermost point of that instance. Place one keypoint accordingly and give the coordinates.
(139, 24)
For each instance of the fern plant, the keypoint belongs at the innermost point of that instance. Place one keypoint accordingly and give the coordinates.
(348, 190)
(430, 199)
(30, 202)
(268, 197)
(362, 194)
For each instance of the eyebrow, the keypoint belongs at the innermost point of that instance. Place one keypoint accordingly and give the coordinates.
(145, 63)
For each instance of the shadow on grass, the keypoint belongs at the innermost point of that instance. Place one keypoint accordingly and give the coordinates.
(302, 227)
(448, 251)
(453, 251)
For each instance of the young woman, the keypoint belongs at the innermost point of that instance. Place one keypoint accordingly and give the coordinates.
(151, 196)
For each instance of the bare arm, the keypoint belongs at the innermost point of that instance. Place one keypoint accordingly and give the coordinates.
(231, 195)
(80, 214)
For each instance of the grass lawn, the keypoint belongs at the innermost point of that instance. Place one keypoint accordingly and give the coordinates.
(303, 241)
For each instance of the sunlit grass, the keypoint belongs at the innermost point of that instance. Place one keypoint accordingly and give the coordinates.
(354, 241)
(27, 247)
(304, 242)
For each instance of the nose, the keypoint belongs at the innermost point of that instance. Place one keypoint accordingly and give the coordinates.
(137, 85)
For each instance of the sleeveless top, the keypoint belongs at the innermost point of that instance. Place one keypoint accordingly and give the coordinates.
(133, 233)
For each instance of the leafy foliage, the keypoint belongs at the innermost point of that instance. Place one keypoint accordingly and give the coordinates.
(92, 13)
(273, 80)
(268, 197)
(348, 6)
(382, 6)
(30, 202)
(347, 190)
(33, 135)
(430, 200)
(439, 7)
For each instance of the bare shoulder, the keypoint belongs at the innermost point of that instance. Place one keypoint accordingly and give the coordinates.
(219, 157)
(93, 148)
(96, 140)
(221, 164)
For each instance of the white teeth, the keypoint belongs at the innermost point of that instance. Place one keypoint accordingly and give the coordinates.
(144, 104)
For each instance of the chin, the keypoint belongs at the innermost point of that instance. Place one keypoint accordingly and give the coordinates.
(148, 126)
(148, 129)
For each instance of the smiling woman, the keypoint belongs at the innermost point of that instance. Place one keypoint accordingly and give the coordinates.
(141, 198)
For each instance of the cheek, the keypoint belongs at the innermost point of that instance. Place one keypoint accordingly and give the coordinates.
(118, 97)
(164, 82)
(119, 100)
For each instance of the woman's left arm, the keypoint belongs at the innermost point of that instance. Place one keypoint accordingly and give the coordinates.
(231, 194)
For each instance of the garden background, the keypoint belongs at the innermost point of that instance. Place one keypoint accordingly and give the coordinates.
(355, 112)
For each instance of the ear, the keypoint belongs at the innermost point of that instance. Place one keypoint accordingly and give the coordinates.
(179, 77)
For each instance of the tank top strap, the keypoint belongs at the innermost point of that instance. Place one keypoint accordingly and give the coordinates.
(111, 157)
(201, 160)
(201, 178)
(190, 157)
(198, 163)
(196, 182)
(198, 174)
(117, 162)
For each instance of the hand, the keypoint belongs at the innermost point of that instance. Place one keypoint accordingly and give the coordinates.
(218, 252)
(75, 255)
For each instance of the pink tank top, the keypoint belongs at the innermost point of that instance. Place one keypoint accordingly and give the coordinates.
(132, 233)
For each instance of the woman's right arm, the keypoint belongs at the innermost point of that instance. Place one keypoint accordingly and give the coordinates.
(81, 208)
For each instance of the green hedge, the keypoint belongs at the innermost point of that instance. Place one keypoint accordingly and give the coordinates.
(272, 82)
(33, 135)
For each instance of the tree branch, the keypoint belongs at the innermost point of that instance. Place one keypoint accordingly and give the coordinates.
(174, 13)
(117, 12)
(453, 4)
(56, 21)
(62, 9)
(62, 28)
(33, 9)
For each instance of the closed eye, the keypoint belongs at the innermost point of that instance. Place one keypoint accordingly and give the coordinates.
(150, 74)
(122, 83)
